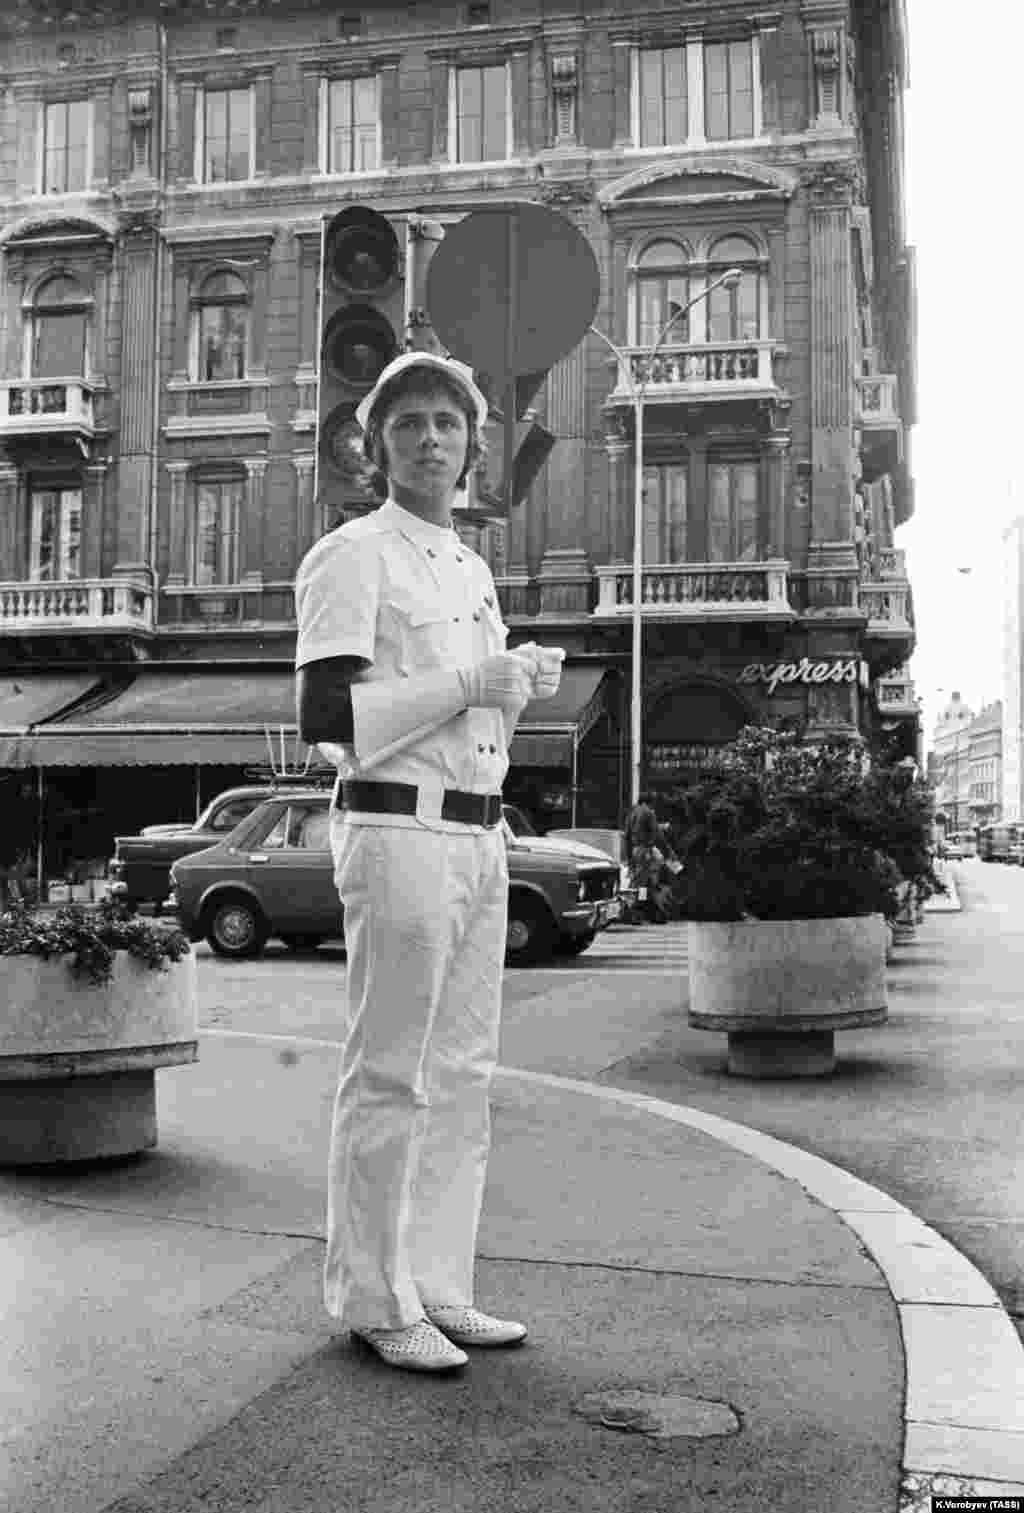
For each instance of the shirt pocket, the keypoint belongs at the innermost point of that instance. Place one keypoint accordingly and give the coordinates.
(422, 636)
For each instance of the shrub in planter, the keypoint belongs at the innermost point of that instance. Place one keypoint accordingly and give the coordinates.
(96, 1000)
(787, 883)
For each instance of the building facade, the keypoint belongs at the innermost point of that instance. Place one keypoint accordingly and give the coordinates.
(985, 766)
(1012, 656)
(950, 770)
(164, 171)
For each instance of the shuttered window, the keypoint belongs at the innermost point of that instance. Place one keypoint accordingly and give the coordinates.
(728, 90)
(665, 507)
(482, 118)
(732, 511)
(663, 105)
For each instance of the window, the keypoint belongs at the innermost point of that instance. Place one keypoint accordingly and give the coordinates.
(665, 494)
(227, 135)
(733, 312)
(215, 537)
(662, 291)
(221, 314)
(55, 542)
(732, 511)
(482, 116)
(728, 90)
(66, 137)
(352, 116)
(663, 105)
(59, 328)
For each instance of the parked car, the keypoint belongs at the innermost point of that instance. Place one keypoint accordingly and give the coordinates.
(140, 869)
(273, 876)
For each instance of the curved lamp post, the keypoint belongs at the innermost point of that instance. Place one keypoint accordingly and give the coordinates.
(638, 393)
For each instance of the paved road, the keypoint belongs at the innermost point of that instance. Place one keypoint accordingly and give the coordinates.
(927, 1107)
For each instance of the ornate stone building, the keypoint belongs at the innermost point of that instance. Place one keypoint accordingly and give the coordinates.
(164, 168)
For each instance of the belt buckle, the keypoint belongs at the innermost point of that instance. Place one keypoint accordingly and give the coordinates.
(492, 809)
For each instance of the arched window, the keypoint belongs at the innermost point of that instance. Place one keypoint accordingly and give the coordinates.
(662, 289)
(734, 313)
(221, 316)
(59, 324)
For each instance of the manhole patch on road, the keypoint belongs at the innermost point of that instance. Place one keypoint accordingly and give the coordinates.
(658, 1415)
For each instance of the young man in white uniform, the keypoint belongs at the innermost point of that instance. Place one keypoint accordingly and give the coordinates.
(403, 673)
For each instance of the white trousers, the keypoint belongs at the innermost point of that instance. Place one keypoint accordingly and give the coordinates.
(425, 922)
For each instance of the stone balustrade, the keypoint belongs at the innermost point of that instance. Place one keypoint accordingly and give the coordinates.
(46, 407)
(726, 366)
(878, 399)
(892, 563)
(726, 590)
(895, 694)
(887, 606)
(115, 604)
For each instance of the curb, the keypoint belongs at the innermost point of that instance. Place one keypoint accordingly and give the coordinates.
(963, 1430)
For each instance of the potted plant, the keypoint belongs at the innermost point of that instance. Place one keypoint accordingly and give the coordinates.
(787, 885)
(95, 1001)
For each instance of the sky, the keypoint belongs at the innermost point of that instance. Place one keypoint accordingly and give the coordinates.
(964, 137)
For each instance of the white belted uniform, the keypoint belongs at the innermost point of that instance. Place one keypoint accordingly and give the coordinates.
(425, 904)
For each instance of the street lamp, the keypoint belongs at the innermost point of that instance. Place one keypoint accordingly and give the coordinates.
(638, 393)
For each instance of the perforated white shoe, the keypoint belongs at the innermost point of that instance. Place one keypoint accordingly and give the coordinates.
(468, 1326)
(418, 1347)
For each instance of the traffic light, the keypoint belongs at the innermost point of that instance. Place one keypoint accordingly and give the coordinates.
(498, 488)
(362, 327)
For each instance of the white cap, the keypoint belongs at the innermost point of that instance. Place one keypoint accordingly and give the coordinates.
(457, 372)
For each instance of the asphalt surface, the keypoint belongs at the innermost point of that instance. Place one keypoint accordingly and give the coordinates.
(716, 1321)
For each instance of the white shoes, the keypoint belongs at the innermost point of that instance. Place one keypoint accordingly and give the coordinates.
(468, 1326)
(418, 1347)
(432, 1344)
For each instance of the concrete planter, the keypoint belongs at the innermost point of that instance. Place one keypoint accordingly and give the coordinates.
(78, 1060)
(781, 988)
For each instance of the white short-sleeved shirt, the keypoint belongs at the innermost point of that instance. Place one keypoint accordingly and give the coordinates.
(408, 597)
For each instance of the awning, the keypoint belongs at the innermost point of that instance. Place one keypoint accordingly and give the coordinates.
(179, 718)
(550, 729)
(28, 698)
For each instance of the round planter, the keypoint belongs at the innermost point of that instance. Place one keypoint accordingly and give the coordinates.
(779, 989)
(78, 1060)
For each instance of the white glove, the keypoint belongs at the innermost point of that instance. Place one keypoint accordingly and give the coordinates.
(549, 661)
(502, 681)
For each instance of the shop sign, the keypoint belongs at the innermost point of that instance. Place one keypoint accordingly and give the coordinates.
(772, 674)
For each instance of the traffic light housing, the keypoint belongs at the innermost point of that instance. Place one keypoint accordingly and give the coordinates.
(500, 488)
(362, 327)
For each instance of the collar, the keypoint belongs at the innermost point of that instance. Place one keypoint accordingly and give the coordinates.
(423, 532)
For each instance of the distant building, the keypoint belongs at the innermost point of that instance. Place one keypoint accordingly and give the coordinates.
(951, 768)
(985, 765)
(1013, 689)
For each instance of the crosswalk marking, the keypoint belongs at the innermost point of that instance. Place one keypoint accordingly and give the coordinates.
(638, 949)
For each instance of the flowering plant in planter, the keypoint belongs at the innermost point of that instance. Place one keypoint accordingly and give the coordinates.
(781, 830)
(90, 937)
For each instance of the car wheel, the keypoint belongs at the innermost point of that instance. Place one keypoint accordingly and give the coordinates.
(302, 942)
(574, 945)
(235, 926)
(531, 931)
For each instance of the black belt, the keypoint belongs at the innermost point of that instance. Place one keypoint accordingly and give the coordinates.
(401, 798)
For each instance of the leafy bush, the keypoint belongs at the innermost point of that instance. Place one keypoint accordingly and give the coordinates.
(780, 830)
(90, 937)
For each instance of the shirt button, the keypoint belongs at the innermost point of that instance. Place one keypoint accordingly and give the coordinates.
(431, 552)
(476, 614)
(493, 750)
(456, 620)
(480, 748)
(460, 559)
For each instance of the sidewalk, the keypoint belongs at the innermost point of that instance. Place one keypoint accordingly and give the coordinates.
(717, 1320)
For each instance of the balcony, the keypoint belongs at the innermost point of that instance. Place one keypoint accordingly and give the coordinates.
(45, 407)
(80, 604)
(895, 696)
(727, 370)
(887, 606)
(878, 419)
(698, 591)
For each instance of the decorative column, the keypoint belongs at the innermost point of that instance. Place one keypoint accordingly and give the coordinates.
(306, 526)
(565, 574)
(832, 556)
(10, 564)
(135, 462)
(252, 526)
(94, 476)
(177, 524)
(618, 513)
